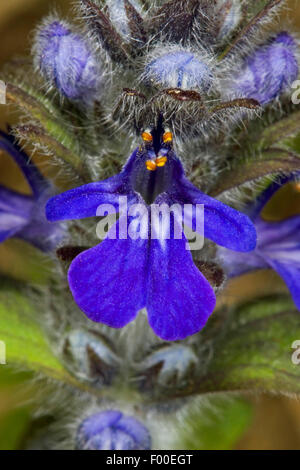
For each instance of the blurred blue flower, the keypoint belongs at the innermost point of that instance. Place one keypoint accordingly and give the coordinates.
(268, 72)
(65, 59)
(179, 69)
(278, 246)
(24, 216)
(112, 430)
(114, 280)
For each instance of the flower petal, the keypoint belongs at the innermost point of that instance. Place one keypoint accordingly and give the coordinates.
(236, 264)
(108, 282)
(84, 201)
(10, 224)
(279, 239)
(33, 176)
(15, 212)
(179, 299)
(279, 244)
(265, 196)
(222, 224)
(290, 273)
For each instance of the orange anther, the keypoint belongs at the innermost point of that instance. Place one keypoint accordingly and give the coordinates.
(167, 137)
(147, 137)
(150, 165)
(161, 161)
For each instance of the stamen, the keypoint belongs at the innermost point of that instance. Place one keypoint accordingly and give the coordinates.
(150, 165)
(161, 161)
(146, 136)
(167, 137)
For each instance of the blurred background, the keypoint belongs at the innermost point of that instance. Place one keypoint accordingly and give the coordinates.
(275, 421)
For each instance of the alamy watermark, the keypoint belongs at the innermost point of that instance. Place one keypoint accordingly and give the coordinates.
(157, 222)
(296, 353)
(2, 353)
(296, 95)
(2, 92)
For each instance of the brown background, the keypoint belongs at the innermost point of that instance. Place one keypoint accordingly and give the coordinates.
(276, 422)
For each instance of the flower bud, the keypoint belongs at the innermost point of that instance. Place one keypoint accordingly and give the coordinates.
(66, 61)
(90, 356)
(229, 15)
(179, 69)
(112, 430)
(170, 365)
(118, 16)
(268, 72)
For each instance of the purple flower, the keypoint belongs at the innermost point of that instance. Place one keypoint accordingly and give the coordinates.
(114, 280)
(179, 69)
(268, 72)
(112, 430)
(278, 246)
(24, 216)
(65, 59)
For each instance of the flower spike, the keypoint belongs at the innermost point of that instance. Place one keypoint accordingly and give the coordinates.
(114, 280)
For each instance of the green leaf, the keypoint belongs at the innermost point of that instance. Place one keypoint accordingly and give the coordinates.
(50, 122)
(215, 422)
(24, 339)
(37, 135)
(15, 417)
(13, 427)
(270, 151)
(280, 133)
(271, 162)
(22, 261)
(9, 376)
(254, 352)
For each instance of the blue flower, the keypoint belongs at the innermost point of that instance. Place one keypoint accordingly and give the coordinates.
(268, 72)
(278, 246)
(114, 280)
(65, 59)
(179, 69)
(23, 216)
(112, 430)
